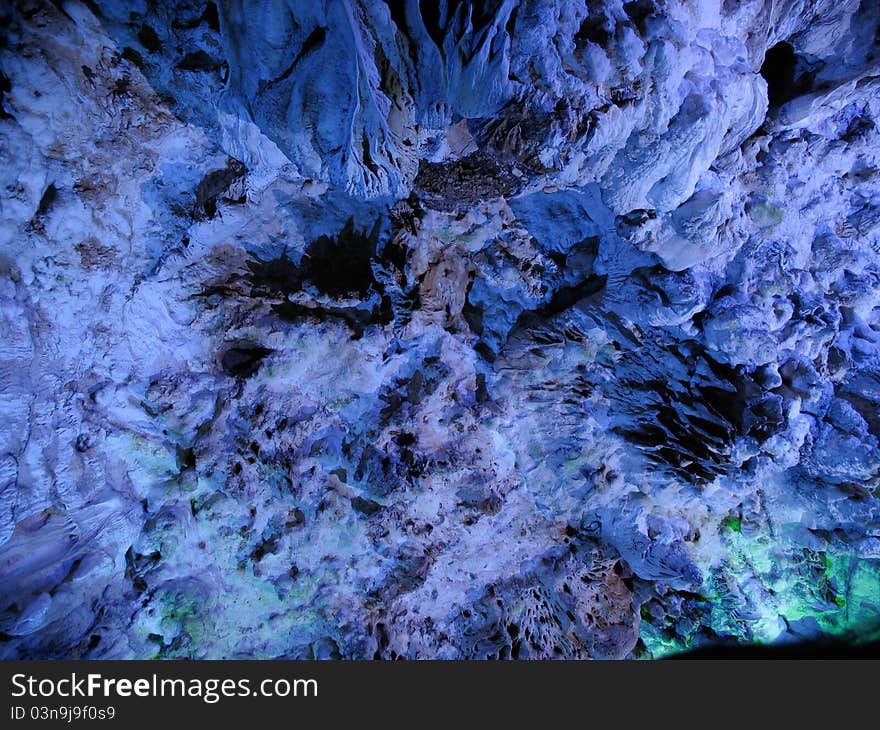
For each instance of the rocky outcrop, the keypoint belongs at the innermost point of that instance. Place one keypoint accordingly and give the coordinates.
(515, 329)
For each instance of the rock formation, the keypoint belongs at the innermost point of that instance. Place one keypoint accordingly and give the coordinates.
(511, 328)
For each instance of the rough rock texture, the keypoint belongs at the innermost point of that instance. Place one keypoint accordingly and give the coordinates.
(518, 329)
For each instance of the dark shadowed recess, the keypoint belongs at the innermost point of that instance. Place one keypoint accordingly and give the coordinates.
(337, 266)
(787, 74)
(455, 17)
(242, 361)
(686, 417)
(341, 268)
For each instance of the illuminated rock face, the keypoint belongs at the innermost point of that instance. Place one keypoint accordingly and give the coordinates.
(512, 329)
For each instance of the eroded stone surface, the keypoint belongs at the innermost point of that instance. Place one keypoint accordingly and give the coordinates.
(517, 329)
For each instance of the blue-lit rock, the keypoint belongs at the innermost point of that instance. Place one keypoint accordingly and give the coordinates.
(530, 329)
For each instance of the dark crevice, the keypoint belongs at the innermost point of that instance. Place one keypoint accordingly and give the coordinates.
(593, 30)
(5, 88)
(430, 12)
(312, 42)
(244, 360)
(562, 299)
(47, 200)
(341, 265)
(148, 39)
(398, 15)
(211, 17)
(132, 56)
(786, 74)
(198, 61)
(639, 11)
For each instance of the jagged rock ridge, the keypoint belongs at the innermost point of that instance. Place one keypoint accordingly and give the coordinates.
(515, 329)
